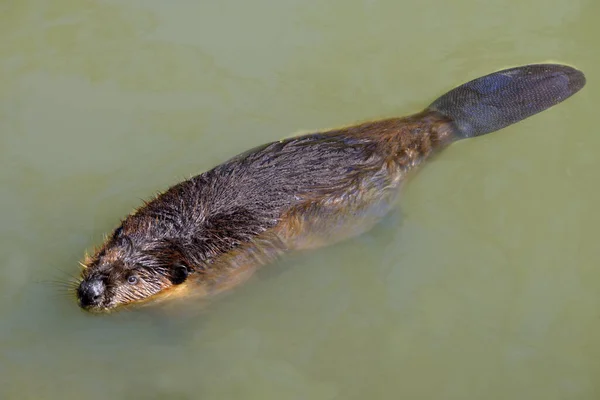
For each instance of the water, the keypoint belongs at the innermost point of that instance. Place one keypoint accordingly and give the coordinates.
(485, 285)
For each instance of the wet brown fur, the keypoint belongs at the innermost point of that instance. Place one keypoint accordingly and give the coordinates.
(221, 241)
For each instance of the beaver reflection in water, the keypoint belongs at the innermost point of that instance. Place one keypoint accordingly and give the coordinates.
(209, 233)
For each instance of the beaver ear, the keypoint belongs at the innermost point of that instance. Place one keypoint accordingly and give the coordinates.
(179, 273)
(118, 232)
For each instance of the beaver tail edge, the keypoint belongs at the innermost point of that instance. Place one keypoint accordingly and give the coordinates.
(502, 98)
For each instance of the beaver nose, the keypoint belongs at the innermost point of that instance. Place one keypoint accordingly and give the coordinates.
(90, 292)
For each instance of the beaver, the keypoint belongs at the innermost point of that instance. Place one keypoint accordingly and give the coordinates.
(209, 233)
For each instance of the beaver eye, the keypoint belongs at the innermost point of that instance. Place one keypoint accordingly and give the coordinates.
(179, 273)
(132, 279)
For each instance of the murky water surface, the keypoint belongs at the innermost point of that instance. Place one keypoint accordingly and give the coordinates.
(486, 285)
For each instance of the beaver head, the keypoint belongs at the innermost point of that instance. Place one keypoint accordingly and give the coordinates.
(130, 268)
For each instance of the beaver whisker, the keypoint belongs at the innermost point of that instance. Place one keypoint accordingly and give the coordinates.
(67, 280)
(68, 285)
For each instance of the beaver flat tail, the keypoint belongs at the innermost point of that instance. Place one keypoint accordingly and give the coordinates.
(503, 98)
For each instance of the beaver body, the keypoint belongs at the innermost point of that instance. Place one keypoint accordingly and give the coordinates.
(209, 233)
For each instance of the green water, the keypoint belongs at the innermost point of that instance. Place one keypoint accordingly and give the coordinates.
(486, 285)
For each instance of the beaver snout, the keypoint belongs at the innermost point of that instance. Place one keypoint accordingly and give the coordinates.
(91, 293)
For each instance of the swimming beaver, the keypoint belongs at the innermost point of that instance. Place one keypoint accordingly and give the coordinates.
(209, 233)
